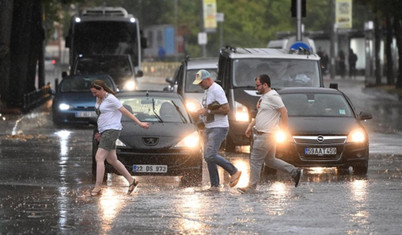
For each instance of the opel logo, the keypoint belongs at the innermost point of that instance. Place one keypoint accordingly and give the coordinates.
(320, 138)
(150, 141)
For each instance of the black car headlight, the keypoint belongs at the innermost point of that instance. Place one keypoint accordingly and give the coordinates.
(64, 106)
(241, 113)
(282, 137)
(357, 135)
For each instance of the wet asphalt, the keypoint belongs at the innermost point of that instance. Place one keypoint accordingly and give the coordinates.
(45, 176)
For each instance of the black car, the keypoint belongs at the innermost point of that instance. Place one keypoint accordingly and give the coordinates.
(73, 102)
(172, 144)
(119, 67)
(325, 130)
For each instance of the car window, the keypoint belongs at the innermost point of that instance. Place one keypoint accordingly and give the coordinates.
(283, 72)
(321, 105)
(156, 109)
(190, 76)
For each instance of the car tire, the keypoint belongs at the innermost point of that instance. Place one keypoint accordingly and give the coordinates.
(229, 145)
(343, 170)
(360, 169)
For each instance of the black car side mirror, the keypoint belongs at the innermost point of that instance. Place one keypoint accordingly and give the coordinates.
(139, 74)
(365, 116)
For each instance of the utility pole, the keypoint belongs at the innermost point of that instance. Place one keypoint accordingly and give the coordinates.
(333, 40)
(298, 20)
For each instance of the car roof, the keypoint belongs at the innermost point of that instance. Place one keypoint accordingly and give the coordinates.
(78, 76)
(150, 93)
(239, 53)
(322, 90)
(202, 63)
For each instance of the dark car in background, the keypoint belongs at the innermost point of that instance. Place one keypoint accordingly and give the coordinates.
(183, 78)
(73, 102)
(170, 147)
(119, 67)
(324, 130)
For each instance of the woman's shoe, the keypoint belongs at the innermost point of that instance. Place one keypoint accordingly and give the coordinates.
(132, 186)
(96, 191)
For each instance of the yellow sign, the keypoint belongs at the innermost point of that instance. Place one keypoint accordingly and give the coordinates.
(343, 18)
(209, 7)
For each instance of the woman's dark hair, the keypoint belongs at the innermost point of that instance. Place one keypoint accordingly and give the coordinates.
(99, 84)
(264, 78)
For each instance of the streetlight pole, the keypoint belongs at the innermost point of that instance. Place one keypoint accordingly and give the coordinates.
(333, 39)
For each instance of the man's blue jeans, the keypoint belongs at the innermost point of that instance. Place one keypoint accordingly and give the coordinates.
(213, 138)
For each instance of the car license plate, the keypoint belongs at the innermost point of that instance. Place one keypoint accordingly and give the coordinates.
(85, 114)
(320, 151)
(150, 168)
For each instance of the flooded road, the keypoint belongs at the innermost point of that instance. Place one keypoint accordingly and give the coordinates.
(45, 174)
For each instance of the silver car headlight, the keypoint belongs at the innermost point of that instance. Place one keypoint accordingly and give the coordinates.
(119, 143)
(192, 106)
(190, 141)
(130, 85)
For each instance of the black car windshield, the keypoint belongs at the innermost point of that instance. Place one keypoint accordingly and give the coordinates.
(82, 83)
(115, 66)
(319, 105)
(156, 109)
(283, 72)
(190, 76)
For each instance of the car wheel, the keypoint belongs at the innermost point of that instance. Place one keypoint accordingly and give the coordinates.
(343, 170)
(360, 169)
(229, 145)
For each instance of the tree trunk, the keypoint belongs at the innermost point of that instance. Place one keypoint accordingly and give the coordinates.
(6, 9)
(20, 50)
(398, 36)
(388, 51)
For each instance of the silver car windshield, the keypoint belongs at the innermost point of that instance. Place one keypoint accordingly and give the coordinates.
(283, 72)
(156, 109)
(320, 105)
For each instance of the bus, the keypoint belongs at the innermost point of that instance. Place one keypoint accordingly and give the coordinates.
(105, 31)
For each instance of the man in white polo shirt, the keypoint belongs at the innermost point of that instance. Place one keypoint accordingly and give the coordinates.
(272, 115)
(214, 115)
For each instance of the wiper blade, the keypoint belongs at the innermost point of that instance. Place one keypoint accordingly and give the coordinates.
(153, 110)
(178, 110)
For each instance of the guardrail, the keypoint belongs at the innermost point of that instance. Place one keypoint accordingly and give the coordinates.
(35, 98)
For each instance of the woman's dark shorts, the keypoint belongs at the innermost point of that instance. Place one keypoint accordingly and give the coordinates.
(108, 139)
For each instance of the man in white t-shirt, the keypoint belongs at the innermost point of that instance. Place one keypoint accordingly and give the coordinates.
(214, 115)
(272, 115)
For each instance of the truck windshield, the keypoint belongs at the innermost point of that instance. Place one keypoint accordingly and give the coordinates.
(283, 72)
(106, 38)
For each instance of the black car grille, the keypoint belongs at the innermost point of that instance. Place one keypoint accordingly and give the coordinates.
(319, 139)
(322, 143)
(84, 108)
